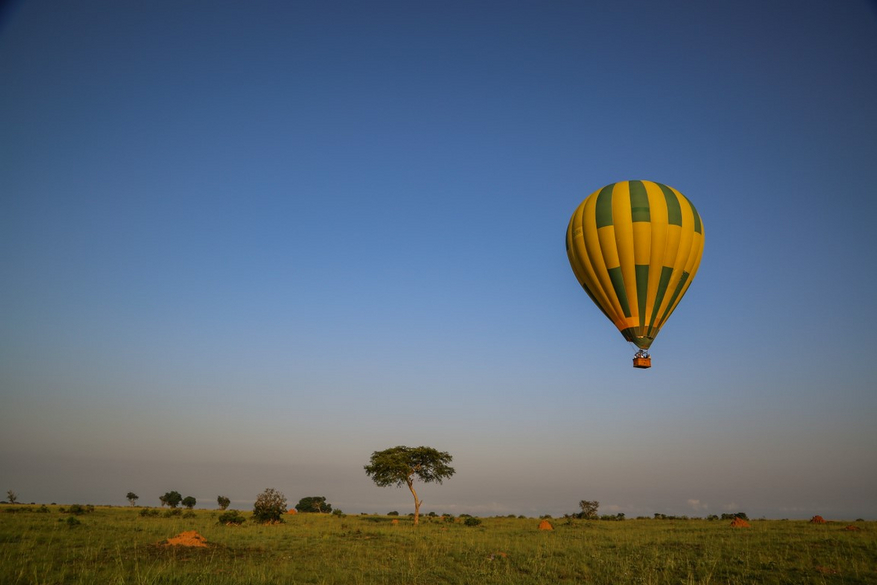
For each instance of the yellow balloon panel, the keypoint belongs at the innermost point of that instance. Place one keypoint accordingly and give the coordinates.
(635, 247)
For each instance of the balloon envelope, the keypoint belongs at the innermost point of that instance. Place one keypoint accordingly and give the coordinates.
(635, 247)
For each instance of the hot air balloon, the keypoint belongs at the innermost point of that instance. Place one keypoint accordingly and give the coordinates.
(635, 247)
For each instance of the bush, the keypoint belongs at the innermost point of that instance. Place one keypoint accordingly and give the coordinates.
(471, 521)
(149, 513)
(449, 518)
(393, 513)
(270, 507)
(232, 518)
(189, 514)
(173, 512)
(78, 510)
(73, 521)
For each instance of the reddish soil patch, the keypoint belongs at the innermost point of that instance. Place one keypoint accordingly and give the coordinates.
(853, 528)
(817, 520)
(190, 538)
(545, 525)
(293, 511)
(395, 522)
(738, 522)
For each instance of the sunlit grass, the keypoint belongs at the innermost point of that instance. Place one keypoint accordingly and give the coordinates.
(118, 546)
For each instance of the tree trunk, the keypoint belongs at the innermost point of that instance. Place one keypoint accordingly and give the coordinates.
(416, 502)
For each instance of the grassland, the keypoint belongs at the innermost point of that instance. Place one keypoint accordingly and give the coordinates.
(114, 545)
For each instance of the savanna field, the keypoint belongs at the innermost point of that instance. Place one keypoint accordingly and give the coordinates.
(43, 545)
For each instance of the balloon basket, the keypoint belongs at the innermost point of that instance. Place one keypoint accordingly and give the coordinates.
(642, 362)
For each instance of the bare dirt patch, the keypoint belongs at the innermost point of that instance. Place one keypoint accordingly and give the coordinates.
(738, 522)
(545, 525)
(817, 520)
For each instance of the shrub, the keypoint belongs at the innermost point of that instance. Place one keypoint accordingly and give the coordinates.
(78, 510)
(471, 521)
(149, 513)
(232, 518)
(449, 518)
(393, 513)
(73, 521)
(173, 512)
(269, 507)
(189, 514)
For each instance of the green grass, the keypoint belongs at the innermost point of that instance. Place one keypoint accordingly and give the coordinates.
(118, 546)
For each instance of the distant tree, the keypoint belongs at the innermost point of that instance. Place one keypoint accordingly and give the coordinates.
(189, 502)
(589, 509)
(223, 502)
(270, 506)
(313, 504)
(171, 499)
(12, 497)
(402, 465)
(132, 497)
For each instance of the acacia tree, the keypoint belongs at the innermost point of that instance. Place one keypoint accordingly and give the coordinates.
(223, 502)
(402, 465)
(132, 497)
(171, 499)
(589, 509)
(314, 504)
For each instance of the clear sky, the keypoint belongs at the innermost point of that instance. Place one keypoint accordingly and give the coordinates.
(246, 244)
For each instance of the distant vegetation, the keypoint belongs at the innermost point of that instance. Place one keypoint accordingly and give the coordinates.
(314, 504)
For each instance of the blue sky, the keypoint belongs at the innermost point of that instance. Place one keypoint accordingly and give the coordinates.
(244, 246)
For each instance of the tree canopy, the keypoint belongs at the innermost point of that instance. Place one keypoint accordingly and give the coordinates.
(171, 499)
(314, 504)
(402, 465)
